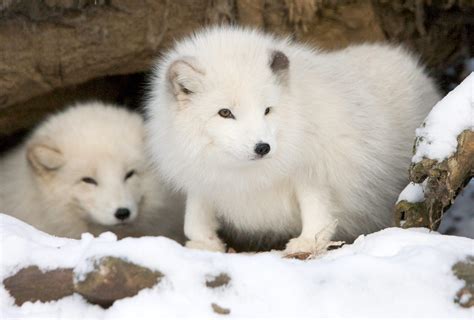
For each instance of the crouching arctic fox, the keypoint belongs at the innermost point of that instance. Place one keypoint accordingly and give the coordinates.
(85, 170)
(272, 137)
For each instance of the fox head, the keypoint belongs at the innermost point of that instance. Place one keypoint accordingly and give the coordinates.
(90, 162)
(233, 109)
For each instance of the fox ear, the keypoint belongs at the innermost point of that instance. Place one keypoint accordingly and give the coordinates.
(184, 75)
(279, 64)
(44, 158)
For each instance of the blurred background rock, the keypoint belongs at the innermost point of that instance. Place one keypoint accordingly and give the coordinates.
(54, 52)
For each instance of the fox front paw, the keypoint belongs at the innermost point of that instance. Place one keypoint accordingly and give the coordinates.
(208, 245)
(311, 246)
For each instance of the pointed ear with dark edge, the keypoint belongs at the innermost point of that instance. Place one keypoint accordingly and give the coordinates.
(44, 158)
(279, 64)
(185, 76)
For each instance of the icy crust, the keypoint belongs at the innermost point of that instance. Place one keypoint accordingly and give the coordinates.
(437, 138)
(390, 273)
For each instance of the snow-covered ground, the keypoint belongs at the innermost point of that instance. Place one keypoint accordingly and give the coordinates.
(391, 273)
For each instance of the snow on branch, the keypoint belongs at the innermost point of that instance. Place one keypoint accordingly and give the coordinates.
(443, 161)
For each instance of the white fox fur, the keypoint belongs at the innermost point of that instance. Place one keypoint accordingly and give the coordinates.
(41, 181)
(340, 128)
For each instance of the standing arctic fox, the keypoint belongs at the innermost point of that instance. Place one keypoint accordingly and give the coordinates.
(85, 170)
(272, 137)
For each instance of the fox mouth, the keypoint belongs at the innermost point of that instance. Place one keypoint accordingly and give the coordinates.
(257, 157)
(122, 224)
(233, 159)
(115, 224)
(89, 217)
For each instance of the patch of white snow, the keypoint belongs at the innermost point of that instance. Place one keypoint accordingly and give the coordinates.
(391, 273)
(413, 192)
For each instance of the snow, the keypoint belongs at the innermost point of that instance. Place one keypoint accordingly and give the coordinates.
(413, 193)
(391, 273)
(437, 137)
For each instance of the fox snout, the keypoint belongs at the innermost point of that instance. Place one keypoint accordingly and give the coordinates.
(122, 214)
(262, 148)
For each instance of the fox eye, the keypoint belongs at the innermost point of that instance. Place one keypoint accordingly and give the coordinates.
(185, 90)
(129, 174)
(89, 180)
(267, 110)
(226, 113)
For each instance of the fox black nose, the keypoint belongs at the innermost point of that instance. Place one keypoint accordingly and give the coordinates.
(122, 213)
(262, 149)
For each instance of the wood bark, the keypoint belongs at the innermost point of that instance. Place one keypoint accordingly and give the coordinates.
(444, 180)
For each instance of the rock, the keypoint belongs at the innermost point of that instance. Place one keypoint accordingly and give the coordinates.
(464, 270)
(32, 284)
(48, 46)
(220, 280)
(219, 310)
(113, 279)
